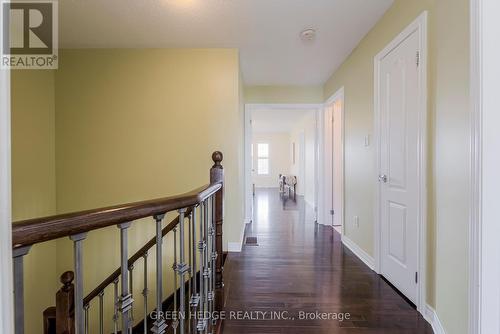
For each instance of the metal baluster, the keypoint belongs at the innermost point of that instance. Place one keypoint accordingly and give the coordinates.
(78, 258)
(18, 255)
(195, 297)
(101, 312)
(206, 271)
(210, 262)
(160, 325)
(131, 289)
(175, 321)
(182, 268)
(126, 300)
(190, 272)
(86, 310)
(213, 254)
(208, 267)
(116, 301)
(145, 292)
(201, 248)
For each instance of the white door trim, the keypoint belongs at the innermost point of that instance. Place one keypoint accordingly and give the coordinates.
(484, 250)
(322, 219)
(420, 25)
(248, 166)
(6, 307)
(475, 170)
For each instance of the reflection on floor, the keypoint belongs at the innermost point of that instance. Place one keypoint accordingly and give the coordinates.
(300, 279)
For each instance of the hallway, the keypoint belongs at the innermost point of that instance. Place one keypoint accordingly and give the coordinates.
(299, 266)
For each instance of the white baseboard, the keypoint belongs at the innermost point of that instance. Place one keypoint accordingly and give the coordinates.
(429, 313)
(431, 316)
(361, 254)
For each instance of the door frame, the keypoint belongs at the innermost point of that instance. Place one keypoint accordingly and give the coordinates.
(301, 136)
(484, 251)
(251, 107)
(6, 285)
(322, 216)
(419, 25)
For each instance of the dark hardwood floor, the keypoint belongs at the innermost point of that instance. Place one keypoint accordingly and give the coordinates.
(297, 266)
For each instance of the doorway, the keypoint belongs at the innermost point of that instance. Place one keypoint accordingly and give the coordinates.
(287, 137)
(333, 210)
(400, 125)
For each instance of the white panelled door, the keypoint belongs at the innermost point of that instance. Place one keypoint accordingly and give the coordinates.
(399, 179)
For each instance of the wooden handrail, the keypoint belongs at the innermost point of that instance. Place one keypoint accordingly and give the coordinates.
(140, 253)
(71, 305)
(33, 231)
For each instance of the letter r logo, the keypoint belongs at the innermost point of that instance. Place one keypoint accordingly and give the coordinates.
(29, 28)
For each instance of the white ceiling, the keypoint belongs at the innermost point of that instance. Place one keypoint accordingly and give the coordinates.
(265, 31)
(277, 120)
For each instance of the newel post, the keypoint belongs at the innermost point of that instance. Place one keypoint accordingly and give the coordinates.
(217, 175)
(65, 317)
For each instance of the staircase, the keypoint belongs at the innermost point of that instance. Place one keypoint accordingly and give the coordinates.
(197, 267)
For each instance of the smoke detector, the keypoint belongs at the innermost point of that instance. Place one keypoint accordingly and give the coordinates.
(308, 35)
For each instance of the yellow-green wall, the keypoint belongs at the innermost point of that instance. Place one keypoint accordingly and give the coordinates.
(34, 182)
(116, 126)
(140, 124)
(451, 130)
(284, 94)
(135, 124)
(448, 104)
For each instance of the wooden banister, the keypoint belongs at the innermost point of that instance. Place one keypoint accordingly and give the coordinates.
(65, 320)
(217, 176)
(204, 241)
(39, 230)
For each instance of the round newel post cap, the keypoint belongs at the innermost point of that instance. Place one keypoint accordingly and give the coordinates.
(67, 278)
(217, 158)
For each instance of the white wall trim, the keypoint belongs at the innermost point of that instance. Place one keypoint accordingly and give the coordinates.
(484, 249)
(281, 106)
(6, 287)
(322, 211)
(359, 252)
(475, 170)
(248, 205)
(432, 318)
(420, 25)
(335, 96)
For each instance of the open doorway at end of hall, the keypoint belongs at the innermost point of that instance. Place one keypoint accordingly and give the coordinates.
(281, 153)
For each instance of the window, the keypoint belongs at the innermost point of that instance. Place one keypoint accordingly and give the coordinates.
(263, 159)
